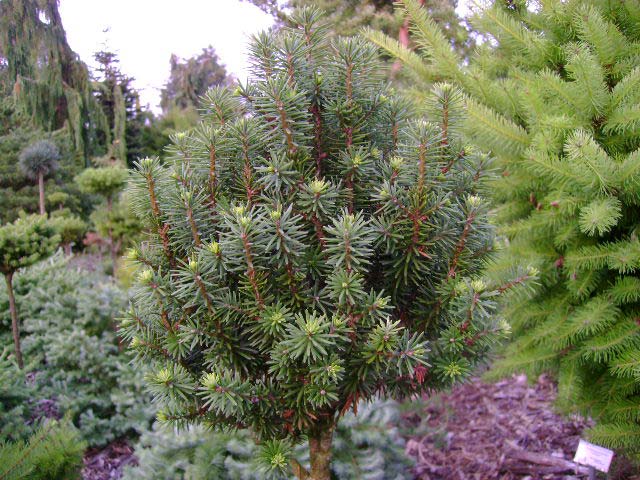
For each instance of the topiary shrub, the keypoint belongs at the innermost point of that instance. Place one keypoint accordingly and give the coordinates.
(22, 243)
(38, 161)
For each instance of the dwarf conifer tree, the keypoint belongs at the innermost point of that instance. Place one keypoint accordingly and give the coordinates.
(556, 97)
(38, 161)
(22, 243)
(311, 245)
(106, 182)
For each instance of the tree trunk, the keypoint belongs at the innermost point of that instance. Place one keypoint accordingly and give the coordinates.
(404, 39)
(320, 452)
(14, 319)
(41, 192)
(67, 248)
(112, 246)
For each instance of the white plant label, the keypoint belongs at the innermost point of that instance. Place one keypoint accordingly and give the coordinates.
(593, 456)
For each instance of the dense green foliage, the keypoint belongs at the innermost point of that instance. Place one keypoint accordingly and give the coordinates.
(53, 452)
(70, 228)
(47, 82)
(366, 447)
(26, 241)
(105, 181)
(557, 102)
(311, 245)
(39, 158)
(15, 394)
(72, 354)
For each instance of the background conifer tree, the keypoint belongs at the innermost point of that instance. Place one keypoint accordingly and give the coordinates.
(555, 94)
(311, 245)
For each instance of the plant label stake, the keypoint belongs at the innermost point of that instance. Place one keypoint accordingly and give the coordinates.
(594, 457)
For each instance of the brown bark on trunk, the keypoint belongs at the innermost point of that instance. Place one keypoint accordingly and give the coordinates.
(67, 249)
(112, 245)
(14, 319)
(404, 39)
(320, 452)
(41, 193)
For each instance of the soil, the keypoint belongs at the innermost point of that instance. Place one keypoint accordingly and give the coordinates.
(107, 463)
(502, 431)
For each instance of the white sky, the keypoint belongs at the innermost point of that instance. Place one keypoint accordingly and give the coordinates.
(152, 30)
(144, 34)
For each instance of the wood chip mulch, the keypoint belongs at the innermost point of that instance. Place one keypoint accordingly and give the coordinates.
(504, 431)
(107, 463)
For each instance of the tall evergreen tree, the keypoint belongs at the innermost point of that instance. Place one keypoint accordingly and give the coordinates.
(190, 79)
(47, 80)
(311, 244)
(555, 95)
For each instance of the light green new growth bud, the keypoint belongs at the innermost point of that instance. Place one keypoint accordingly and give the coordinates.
(318, 186)
(145, 276)
(333, 370)
(533, 271)
(478, 286)
(469, 150)
(210, 380)
(474, 200)
(162, 416)
(146, 162)
(133, 254)
(383, 193)
(181, 135)
(382, 302)
(135, 342)
(396, 163)
(193, 265)
(375, 152)
(164, 376)
(279, 460)
(245, 221)
(237, 91)
(357, 161)
(271, 169)
(276, 214)
(214, 247)
(338, 321)
(239, 210)
(504, 326)
(277, 318)
(345, 285)
(453, 370)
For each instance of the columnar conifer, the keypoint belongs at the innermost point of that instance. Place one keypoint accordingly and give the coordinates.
(311, 245)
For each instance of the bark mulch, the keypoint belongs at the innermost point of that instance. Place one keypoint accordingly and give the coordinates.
(504, 431)
(107, 463)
